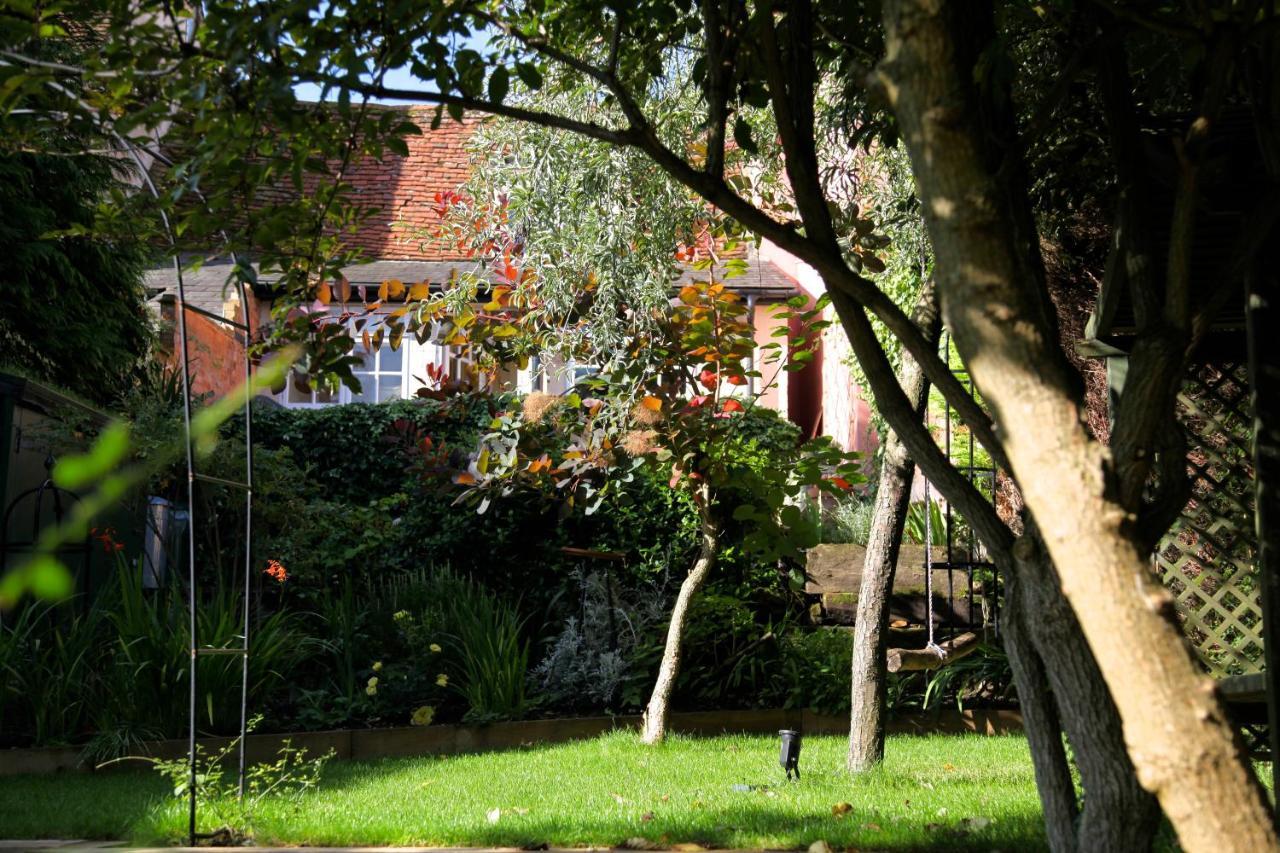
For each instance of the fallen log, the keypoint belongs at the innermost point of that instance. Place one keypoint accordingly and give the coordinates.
(917, 660)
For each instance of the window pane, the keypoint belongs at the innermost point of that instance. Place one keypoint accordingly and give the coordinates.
(392, 359)
(388, 388)
(368, 392)
(296, 394)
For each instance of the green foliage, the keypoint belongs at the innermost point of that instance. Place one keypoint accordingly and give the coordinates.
(486, 651)
(817, 665)
(914, 529)
(352, 452)
(887, 190)
(599, 225)
(50, 660)
(149, 663)
(226, 815)
(848, 521)
(981, 678)
(112, 475)
(73, 308)
(118, 666)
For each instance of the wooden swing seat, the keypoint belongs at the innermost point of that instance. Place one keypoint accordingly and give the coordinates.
(922, 660)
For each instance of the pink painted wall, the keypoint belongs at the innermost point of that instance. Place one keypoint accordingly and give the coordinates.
(844, 414)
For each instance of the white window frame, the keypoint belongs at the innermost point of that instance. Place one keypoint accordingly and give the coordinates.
(410, 354)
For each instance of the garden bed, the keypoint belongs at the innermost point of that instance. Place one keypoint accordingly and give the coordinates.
(360, 744)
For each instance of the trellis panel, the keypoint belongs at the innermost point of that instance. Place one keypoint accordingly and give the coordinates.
(1208, 559)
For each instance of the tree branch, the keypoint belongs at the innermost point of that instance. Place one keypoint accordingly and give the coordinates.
(622, 137)
(791, 95)
(719, 71)
(911, 431)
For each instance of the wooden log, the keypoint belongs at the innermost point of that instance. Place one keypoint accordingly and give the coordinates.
(918, 660)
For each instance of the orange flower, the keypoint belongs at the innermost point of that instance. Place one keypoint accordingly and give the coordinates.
(276, 570)
(106, 536)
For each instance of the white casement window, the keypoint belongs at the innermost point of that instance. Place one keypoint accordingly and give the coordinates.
(383, 374)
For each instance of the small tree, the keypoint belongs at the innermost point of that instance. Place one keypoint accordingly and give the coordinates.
(674, 399)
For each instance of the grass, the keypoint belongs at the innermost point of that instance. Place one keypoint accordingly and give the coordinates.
(939, 792)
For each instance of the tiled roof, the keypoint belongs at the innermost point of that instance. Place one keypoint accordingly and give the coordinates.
(403, 189)
(208, 288)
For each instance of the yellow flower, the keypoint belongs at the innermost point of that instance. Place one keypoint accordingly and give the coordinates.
(371, 690)
(442, 680)
(377, 667)
(435, 648)
(423, 716)
(373, 682)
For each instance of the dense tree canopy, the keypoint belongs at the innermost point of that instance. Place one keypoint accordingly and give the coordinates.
(72, 306)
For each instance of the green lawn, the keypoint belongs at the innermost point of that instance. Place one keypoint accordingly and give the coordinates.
(947, 792)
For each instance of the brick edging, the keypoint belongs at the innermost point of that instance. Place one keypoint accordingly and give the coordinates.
(355, 744)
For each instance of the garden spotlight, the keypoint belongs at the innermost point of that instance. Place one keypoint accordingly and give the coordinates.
(789, 757)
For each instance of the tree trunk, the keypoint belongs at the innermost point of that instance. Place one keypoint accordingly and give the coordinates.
(1117, 813)
(1042, 725)
(871, 622)
(1181, 744)
(654, 726)
(1040, 714)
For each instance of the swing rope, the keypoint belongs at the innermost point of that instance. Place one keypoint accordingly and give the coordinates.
(932, 644)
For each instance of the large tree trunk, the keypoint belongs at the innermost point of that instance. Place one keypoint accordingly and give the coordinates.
(1181, 744)
(654, 727)
(1117, 814)
(871, 622)
(1041, 723)
(1041, 717)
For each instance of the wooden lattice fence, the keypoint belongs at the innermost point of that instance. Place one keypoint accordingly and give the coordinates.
(1208, 559)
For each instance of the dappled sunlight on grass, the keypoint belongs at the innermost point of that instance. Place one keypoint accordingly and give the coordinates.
(952, 792)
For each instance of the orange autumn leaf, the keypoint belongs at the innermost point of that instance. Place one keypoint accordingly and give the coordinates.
(653, 404)
(466, 478)
(731, 406)
(542, 463)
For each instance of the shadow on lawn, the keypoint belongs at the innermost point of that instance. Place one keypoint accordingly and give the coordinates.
(104, 805)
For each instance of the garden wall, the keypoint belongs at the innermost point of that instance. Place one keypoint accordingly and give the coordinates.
(358, 744)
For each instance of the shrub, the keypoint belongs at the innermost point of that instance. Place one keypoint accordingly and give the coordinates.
(352, 452)
(817, 664)
(452, 622)
(147, 675)
(594, 657)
